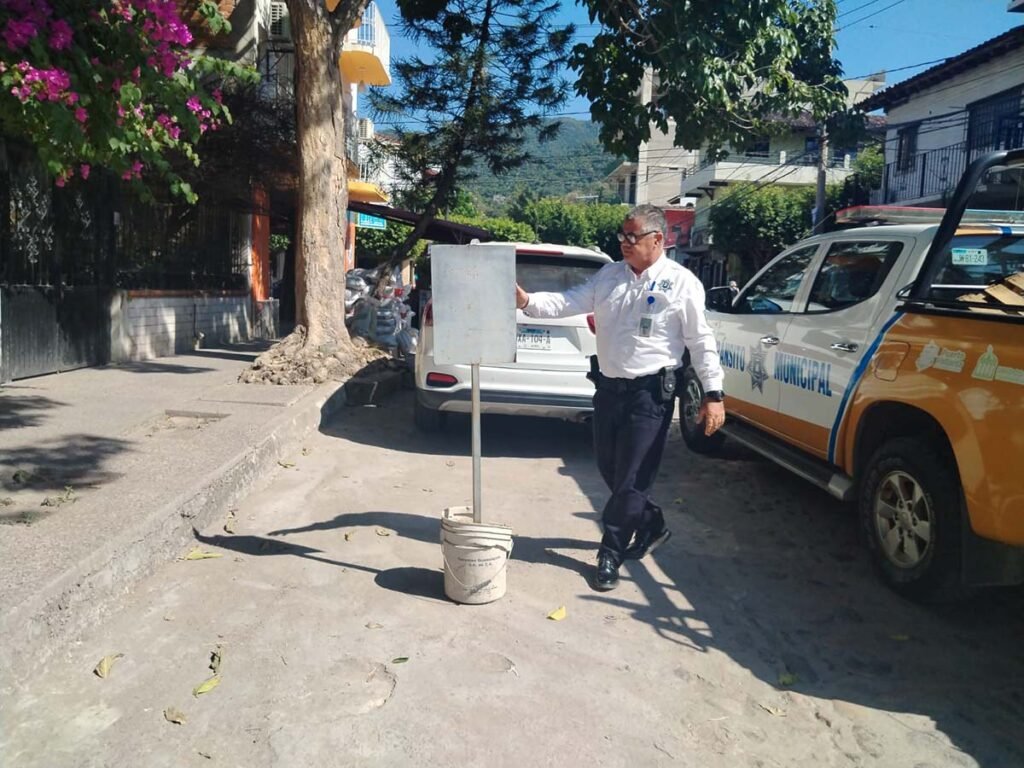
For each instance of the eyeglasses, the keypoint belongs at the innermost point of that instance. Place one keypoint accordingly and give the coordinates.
(634, 237)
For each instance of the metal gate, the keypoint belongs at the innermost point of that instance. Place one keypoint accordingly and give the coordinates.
(48, 330)
(53, 314)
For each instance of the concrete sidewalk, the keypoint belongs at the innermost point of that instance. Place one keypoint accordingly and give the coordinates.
(104, 473)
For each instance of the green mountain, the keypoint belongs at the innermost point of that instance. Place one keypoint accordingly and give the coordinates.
(574, 161)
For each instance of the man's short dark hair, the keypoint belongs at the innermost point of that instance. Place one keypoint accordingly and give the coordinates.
(651, 218)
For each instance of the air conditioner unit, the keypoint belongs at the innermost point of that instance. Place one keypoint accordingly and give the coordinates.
(280, 24)
(365, 129)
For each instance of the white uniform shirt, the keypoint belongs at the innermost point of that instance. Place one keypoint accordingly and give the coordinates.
(619, 298)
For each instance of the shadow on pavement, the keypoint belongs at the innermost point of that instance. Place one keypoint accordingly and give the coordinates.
(777, 580)
(154, 366)
(769, 571)
(544, 551)
(24, 410)
(70, 460)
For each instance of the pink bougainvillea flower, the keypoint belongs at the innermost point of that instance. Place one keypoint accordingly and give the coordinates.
(60, 35)
(81, 115)
(84, 169)
(17, 34)
(194, 104)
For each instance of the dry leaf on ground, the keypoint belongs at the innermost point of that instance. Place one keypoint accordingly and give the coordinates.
(374, 625)
(102, 670)
(286, 464)
(558, 614)
(383, 532)
(349, 535)
(772, 710)
(175, 716)
(199, 554)
(400, 660)
(206, 686)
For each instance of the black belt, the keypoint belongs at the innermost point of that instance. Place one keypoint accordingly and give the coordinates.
(629, 385)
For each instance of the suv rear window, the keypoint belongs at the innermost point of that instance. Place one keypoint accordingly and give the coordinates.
(553, 273)
(982, 269)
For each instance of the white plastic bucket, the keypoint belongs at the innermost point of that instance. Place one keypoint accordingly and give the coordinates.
(475, 557)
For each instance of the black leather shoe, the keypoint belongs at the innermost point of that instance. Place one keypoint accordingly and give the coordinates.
(607, 576)
(646, 542)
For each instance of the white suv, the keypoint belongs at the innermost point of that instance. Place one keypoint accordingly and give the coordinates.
(549, 376)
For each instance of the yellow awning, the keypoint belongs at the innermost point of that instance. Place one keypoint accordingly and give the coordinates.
(365, 192)
(363, 66)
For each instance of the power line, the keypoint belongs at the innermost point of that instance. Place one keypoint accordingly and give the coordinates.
(858, 8)
(897, 69)
(870, 15)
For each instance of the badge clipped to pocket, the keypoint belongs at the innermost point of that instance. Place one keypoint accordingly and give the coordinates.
(647, 319)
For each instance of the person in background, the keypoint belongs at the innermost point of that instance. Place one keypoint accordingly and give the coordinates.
(648, 312)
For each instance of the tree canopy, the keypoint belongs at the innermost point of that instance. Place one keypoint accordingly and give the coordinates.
(723, 69)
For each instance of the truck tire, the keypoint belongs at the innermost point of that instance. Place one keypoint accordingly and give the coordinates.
(691, 395)
(427, 419)
(911, 512)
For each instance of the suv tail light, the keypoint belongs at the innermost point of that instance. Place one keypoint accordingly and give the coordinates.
(441, 380)
(428, 314)
(592, 324)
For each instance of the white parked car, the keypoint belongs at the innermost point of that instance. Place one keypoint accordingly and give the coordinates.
(549, 376)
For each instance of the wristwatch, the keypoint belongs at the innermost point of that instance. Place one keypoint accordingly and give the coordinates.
(714, 395)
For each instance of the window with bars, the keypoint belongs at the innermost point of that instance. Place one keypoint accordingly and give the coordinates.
(995, 123)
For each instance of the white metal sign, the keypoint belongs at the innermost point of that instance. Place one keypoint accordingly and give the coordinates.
(473, 294)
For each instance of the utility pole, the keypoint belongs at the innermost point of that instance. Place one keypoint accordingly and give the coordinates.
(819, 201)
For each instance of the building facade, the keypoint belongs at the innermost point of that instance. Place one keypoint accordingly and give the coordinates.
(950, 114)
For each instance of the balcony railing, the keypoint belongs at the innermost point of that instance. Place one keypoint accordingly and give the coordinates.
(835, 160)
(927, 174)
(371, 38)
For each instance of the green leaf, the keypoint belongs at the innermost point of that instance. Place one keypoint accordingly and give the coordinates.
(206, 686)
(400, 660)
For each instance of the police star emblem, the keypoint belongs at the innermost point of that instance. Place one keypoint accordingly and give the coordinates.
(665, 285)
(756, 369)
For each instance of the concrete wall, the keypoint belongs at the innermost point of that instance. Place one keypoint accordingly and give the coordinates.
(147, 325)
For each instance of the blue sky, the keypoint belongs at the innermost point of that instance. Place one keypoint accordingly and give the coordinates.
(873, 34)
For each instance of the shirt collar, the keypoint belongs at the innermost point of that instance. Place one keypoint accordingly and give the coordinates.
(651, 273)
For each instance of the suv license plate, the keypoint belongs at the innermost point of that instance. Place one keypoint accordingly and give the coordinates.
(533, 338)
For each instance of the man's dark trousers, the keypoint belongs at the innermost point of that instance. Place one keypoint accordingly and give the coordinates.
(630, 428)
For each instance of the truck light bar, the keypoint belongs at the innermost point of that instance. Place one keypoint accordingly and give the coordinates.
(895, 214)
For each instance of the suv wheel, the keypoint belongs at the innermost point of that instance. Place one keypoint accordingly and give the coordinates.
(427, 419)
(911, 513)
(690, 399)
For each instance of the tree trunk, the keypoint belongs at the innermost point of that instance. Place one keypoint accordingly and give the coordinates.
(323, 173)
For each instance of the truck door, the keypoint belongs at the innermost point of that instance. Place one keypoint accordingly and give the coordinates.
(749, 334)
(825, 344)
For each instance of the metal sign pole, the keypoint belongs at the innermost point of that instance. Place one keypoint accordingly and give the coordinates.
(477, 512)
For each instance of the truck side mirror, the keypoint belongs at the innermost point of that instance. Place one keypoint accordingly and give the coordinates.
(719, 299)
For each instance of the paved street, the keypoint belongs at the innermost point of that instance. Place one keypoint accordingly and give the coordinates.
(757, 636)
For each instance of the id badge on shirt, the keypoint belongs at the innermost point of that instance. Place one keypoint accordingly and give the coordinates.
(646, 326)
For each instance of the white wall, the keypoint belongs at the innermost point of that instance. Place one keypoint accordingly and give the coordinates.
(953, 95)
(146, 327)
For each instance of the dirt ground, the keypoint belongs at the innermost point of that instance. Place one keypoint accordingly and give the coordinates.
(758, 636)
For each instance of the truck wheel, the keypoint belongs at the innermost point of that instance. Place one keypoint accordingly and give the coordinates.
(690, 399)
(911, 513)
(427, 419)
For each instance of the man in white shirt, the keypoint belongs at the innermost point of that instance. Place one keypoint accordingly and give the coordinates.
(648, 311)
